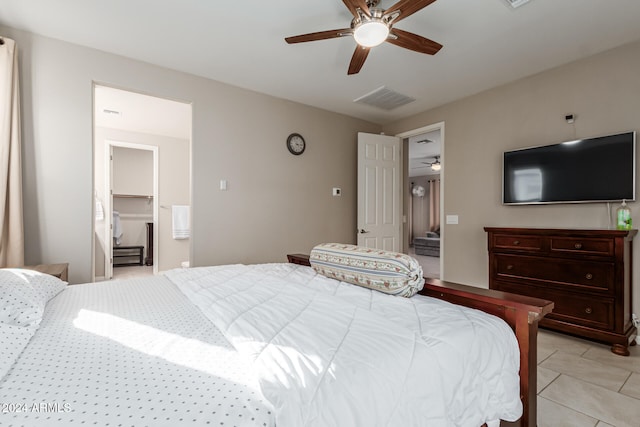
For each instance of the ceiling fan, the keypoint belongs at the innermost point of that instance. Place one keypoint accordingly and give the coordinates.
(371, 26)
(435, 165)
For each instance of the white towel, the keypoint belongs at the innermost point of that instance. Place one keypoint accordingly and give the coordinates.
(117, 227)
(180, 222)
(99, 211)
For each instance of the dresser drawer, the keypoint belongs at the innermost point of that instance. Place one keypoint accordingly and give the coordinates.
(568, 307)
(584, 246)
(586, 273)
(517, 242)
(559, 273)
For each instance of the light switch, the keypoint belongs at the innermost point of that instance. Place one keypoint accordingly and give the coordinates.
(452, 219)
(223, 184)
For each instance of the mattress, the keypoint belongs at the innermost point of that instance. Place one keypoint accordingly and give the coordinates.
(260, 345)
(130, 353)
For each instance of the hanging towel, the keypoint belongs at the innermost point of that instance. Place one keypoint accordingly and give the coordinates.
(99, 210)
(117, 228)
(180, 222)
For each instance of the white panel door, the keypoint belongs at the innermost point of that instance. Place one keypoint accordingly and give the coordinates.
(379, 210)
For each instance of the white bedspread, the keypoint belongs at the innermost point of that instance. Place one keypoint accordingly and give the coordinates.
(129, 353)
(332, 354)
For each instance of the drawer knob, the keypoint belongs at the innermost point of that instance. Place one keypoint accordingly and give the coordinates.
(509, 267)
(588, 310)
(516, 242)
(589, 276)
(578, 246)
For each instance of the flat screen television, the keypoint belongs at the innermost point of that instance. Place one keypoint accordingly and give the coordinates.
(599, 169)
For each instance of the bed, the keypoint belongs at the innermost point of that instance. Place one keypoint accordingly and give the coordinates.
(259, 345)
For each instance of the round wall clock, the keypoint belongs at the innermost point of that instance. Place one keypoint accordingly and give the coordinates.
(296, 144)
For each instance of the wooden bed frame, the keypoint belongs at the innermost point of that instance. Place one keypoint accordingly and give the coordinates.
(520, 312)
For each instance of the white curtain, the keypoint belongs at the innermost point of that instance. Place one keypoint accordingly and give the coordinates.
(11, 222)
(410, 212)
(434, 205)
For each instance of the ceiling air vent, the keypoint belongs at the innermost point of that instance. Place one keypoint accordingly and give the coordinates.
(516, 3)
(385, 99)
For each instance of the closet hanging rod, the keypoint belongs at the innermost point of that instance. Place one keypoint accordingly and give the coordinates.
(132, 196)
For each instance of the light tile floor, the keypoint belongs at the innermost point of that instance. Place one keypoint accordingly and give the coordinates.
(583, 384)
(132, 271)
(430, 264)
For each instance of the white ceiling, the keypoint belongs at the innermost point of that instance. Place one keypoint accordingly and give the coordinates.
(135, 112)
(421, 152)
(486, 43)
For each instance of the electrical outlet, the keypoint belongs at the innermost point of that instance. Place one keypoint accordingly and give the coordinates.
(635, 320)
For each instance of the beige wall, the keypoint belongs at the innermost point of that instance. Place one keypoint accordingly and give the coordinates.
(603, 91)
(276, 203)
(133, 168)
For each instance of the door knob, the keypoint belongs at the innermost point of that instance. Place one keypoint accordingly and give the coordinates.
(362, 231)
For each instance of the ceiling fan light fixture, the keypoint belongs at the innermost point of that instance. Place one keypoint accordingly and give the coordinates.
(371, 33)
(436, 166)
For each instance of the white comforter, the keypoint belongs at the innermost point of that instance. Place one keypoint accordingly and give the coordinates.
(332, 354)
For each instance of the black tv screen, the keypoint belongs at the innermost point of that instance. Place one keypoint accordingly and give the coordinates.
(586, 170)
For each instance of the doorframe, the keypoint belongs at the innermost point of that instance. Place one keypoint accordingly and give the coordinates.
(407, 134)
(108, 182)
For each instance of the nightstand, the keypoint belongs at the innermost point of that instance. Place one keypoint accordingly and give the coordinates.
(61, 271)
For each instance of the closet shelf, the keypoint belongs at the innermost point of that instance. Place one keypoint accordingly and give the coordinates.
(132, 196)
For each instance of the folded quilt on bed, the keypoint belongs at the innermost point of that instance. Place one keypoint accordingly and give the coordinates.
(329, 353)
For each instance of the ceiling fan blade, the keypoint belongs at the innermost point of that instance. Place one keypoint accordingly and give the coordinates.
(407, 8)
(357, 60)
(354, 5)
(414, 42)
(321, 35)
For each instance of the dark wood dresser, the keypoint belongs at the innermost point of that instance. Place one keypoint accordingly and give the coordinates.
(586, 273)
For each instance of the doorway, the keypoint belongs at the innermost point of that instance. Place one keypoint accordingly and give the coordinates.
(132, 210)
(423, 235)
(142, 172)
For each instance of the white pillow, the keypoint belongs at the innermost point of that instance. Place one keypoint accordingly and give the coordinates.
(24, 295)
